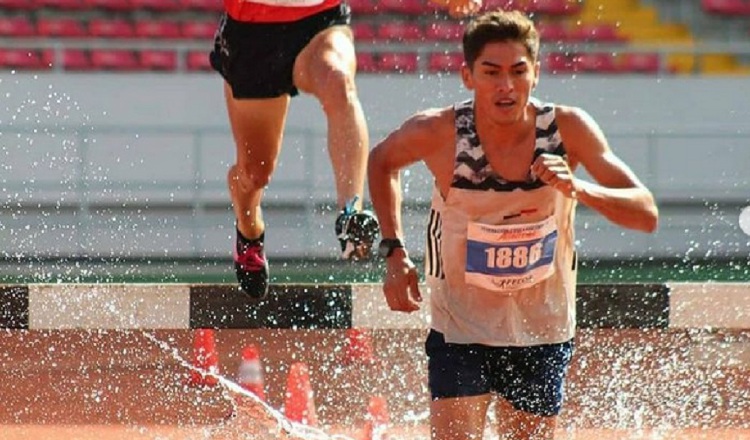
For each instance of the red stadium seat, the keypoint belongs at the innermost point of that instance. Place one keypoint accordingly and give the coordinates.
(110, 5)
(61, 4)
(640, 62)
(405, 7)
(60, 27)
(70, 59)
(726, 7)
(158, 5)
(114, 28)
(199, 30)
(596, 63)
(399, 31)
(16, 27)
(553, 31)
(363, 7)
(114, 59)
(197, 61)
(444, 31)
(596, 32)
(557, 62)
(507, 5)
(552, 7)
(445, 62)
(9, 5)
(157, 29)
(366, 62)
(25, 59)
(203, 5)
(364, 31)
(398, 62)
(165, 60)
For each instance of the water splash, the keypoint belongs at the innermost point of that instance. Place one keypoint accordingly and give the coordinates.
(248, 410)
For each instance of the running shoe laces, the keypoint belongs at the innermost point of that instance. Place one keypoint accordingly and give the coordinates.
(356, 231)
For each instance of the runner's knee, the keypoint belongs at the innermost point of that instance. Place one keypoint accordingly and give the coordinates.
(249, 178)
(336, 89)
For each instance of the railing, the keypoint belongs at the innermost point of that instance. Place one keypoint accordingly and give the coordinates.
(144, 199)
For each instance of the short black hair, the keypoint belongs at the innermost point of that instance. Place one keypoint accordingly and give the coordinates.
(499, 26)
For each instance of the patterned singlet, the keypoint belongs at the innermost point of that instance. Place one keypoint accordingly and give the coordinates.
(500, 258)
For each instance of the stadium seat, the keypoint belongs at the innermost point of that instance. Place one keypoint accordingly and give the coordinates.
(595, 62)
(158, 5)
(553, 31)
(197, 60)
(16, 27)
(114, 59)
(640, 62)
(111, 28)
(70, 59)
(403, 7)
(398, 31)
(164, 60)
(445, 62)
(557, 62)
(203, 5)
(596, 32)
(443, 31)
(61, 4)
(552, 7)
(199, 30)
(363, 7)
(366, 62)
(507, 5)
(60, 27)
(398, 62)
(364, 31)
(110, 5)
(25, 59)
(157, 29)
(726, 7)
(20, 5)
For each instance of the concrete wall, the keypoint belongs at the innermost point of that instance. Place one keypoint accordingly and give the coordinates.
(131, 165)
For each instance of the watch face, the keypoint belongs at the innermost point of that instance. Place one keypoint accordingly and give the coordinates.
(384, 250)
(386, 246)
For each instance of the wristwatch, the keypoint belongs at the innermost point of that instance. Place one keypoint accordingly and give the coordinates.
(387, 245)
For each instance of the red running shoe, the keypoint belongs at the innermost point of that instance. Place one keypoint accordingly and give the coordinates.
(251, 266)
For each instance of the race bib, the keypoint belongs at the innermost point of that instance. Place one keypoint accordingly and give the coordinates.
(510, 257)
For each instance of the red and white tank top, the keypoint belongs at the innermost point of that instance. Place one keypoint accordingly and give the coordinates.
(275, 11)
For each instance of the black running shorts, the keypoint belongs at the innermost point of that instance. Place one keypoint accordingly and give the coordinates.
(530, 378)
(257, 59)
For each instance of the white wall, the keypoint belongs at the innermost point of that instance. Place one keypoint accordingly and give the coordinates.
(135, 164)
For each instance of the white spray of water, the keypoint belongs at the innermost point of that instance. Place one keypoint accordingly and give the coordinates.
(245, 403)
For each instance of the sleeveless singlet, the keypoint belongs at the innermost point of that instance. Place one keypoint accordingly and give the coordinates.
(275, 11)
(500, 259)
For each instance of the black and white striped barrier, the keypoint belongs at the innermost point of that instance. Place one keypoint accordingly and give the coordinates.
(339, 306)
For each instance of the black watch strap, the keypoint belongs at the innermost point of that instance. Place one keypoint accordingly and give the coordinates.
(387, 245)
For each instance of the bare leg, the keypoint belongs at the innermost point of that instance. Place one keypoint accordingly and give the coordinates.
(519, 425)
(257, 127)
(461, 418)
(326, 69)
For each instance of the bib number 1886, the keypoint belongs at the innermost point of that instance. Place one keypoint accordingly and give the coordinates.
(516, 256)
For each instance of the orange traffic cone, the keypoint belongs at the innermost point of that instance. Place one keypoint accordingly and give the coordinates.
(298, 403)
(251, 372)
(204, 358)
(377, 420)
(358, 347)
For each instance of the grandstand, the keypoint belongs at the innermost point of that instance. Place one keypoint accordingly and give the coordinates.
(114, 141)
(663, 37)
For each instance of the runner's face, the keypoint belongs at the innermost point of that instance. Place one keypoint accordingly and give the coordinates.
(502, 80)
